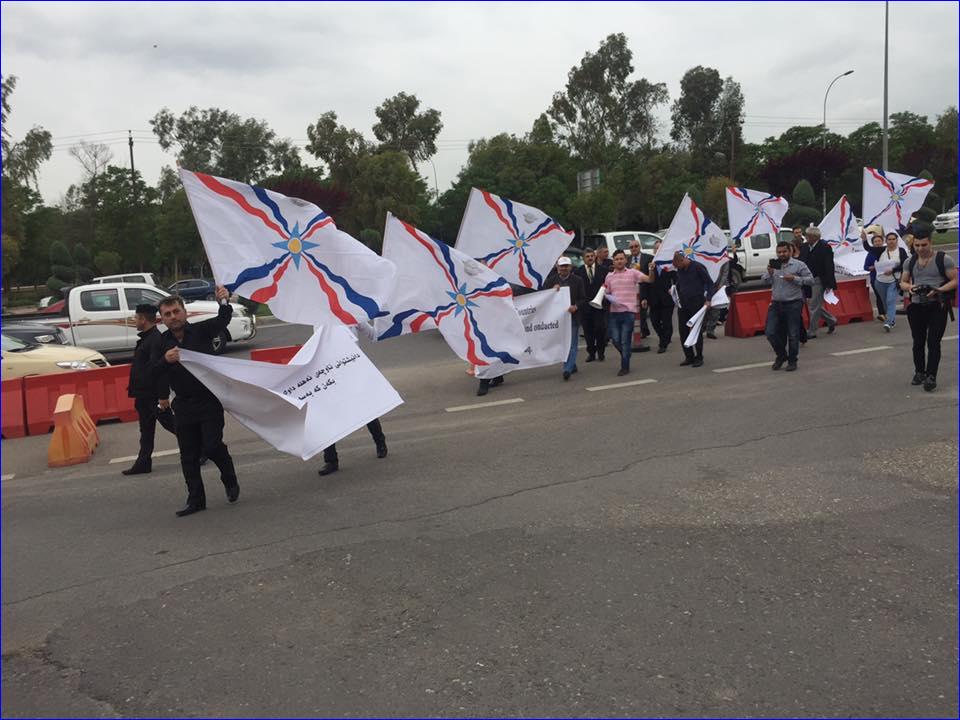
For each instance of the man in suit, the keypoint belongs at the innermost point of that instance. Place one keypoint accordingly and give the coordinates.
(818, 256)
(659, 303)
(567, 278)
(594, 321)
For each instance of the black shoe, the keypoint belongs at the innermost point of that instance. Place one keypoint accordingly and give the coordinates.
(711, 336)
(697, 363)
(233, 492)
(622, 371)
(777, 364)
(791, 366)
(328, 468)
(600, 357)
(687, 361)
(831, 328)
(641, 348)
(483, 389)
(566, 374)
(929, 383)
(917, 379)
(190, 510)
(809, 337)
(661, 350)
(496, 382)
(136, 470)
(381, 450)
(591, 357)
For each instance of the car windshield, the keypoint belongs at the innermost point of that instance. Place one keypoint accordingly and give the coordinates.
(11, 344)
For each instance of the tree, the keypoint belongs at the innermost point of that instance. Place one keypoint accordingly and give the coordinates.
(803, 209)
(401, 128)
(911, 142)
(715, 199)
(601, 113)
(338, 147)
(93, 158)
(11, 256)
(708, 117)
(107, 262)
(222, 143)
(595, 210)
(305, 184)
(372, 239)
(944, 161)
(385, 182)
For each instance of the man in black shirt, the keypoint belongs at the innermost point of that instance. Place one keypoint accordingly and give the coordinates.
(818, 256)
(592, 274)
(694, 290)
(659, 303)
(149, 389)
(199, 413)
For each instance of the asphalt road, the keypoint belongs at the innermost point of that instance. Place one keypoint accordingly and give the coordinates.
(709, 543)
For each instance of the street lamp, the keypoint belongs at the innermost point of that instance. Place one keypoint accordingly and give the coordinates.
(848, 72)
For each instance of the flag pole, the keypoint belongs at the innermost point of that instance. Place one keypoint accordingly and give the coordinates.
(886, 66)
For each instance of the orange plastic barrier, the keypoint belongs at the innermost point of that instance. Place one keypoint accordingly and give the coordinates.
(278, 355)
(747, 315)
(854, 305)
(74, 433)
(104, 393)
(14, 418)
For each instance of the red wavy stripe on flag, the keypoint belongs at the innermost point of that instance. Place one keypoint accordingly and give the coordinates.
(220, 189)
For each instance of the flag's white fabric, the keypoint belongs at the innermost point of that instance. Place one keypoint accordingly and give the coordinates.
(720, 298)
(839, 229)
(830, 297)
(547, 327)
(752, 212)
(286, 252)
(470, 304)
(889, 198)
(695, 323)
(328, 390)
(851, 263)
(519, 242)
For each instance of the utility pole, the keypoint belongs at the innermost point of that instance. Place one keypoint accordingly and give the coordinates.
(133, 201)
(886, 66)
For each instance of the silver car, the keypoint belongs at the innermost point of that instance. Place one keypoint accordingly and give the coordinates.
(949, 220)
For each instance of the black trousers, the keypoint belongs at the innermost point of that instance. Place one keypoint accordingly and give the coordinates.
(661, 317)
(927, 321)
(644, 326)
(197, 437)
(684, 314)
(149, 415)
(376, 432)
(594, 324)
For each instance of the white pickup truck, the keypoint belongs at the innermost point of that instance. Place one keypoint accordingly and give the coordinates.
(755, 253)
(100, 317)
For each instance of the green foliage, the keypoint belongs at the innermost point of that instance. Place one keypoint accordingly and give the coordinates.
(384, 182)
(107, 262)
(11, 256)
(594, 211)
(803, 194)
(708, 117)
(372, 239)
(401, 128)
(715, 199)
(338, 147)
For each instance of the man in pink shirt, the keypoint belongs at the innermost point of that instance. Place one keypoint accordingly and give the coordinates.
(621, 290)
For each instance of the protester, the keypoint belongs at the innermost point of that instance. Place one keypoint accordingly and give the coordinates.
(199, 413)
(660, 304)
(886, 282)
(931, 280)
(593, 319)
(694, 288)
(567, 278)
(603, 259)
(872, 237)
(621, 286)
(639, 260)
(331, 461)
(713, 315)
(818, 256)
(785, 315)
(149, 389)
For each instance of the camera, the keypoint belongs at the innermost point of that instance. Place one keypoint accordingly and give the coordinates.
(775, 263)
(922, 290)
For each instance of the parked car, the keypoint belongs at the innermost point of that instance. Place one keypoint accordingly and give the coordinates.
(141, 277)
(35, 333)
(755, 253)
(21, 359)
(949, 220)
(194, 289)
(620, 240)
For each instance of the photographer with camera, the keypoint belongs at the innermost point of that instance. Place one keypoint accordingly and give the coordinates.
(931, 280)
(785, 314)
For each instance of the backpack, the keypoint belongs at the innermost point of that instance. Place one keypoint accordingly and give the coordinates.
(947, 297)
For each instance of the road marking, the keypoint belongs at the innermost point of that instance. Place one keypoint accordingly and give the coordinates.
(734, 368)
(159, 453)
(645, 381)
(477, 406)
(11, 476)
(863, 350)
(951, 337)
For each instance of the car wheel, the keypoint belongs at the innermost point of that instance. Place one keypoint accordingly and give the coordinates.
(220, 343)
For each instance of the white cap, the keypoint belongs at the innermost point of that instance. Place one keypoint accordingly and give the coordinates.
(564, 261)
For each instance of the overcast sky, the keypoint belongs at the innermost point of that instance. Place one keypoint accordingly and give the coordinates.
(95, 70)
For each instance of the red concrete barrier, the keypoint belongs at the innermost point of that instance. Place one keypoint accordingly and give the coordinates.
(104, 392)
(854, 305)
(747, 315)
(14, 418)
(277, 355)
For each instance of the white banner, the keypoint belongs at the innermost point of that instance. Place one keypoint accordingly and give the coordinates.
(547, 328)
(328, 390)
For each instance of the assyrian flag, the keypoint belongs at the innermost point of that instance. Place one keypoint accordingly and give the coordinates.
(517, 241)
(890, 199)
(286, 252)
(839, 229)
(470, 304)
(752, 212)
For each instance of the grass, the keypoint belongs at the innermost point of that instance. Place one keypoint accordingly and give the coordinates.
(947, 238)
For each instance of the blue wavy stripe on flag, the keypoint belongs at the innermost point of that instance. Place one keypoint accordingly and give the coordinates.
(536, 275)
(368, 305)
(487, 350)
(274, 208)
(513, 218)
(255, 273)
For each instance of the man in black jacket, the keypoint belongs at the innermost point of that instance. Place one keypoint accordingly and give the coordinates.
(694, 290)
(659, 303)
(593, 320)
(199, 413)
(150, 390)
(567, 278)
(818, 256)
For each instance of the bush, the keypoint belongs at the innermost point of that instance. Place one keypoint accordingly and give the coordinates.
(801, 215)
(372, 239)
(803, 195)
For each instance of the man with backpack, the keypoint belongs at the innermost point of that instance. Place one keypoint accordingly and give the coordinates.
(931, 280)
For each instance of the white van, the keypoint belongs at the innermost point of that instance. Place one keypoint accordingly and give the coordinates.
(128, 278)
(620, 240)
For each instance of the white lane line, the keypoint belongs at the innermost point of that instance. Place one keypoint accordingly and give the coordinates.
(130, 458)
(645, 381)
(951, 337)
(862, 350)
(734, 368)
(477, 406)
(11, 476)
